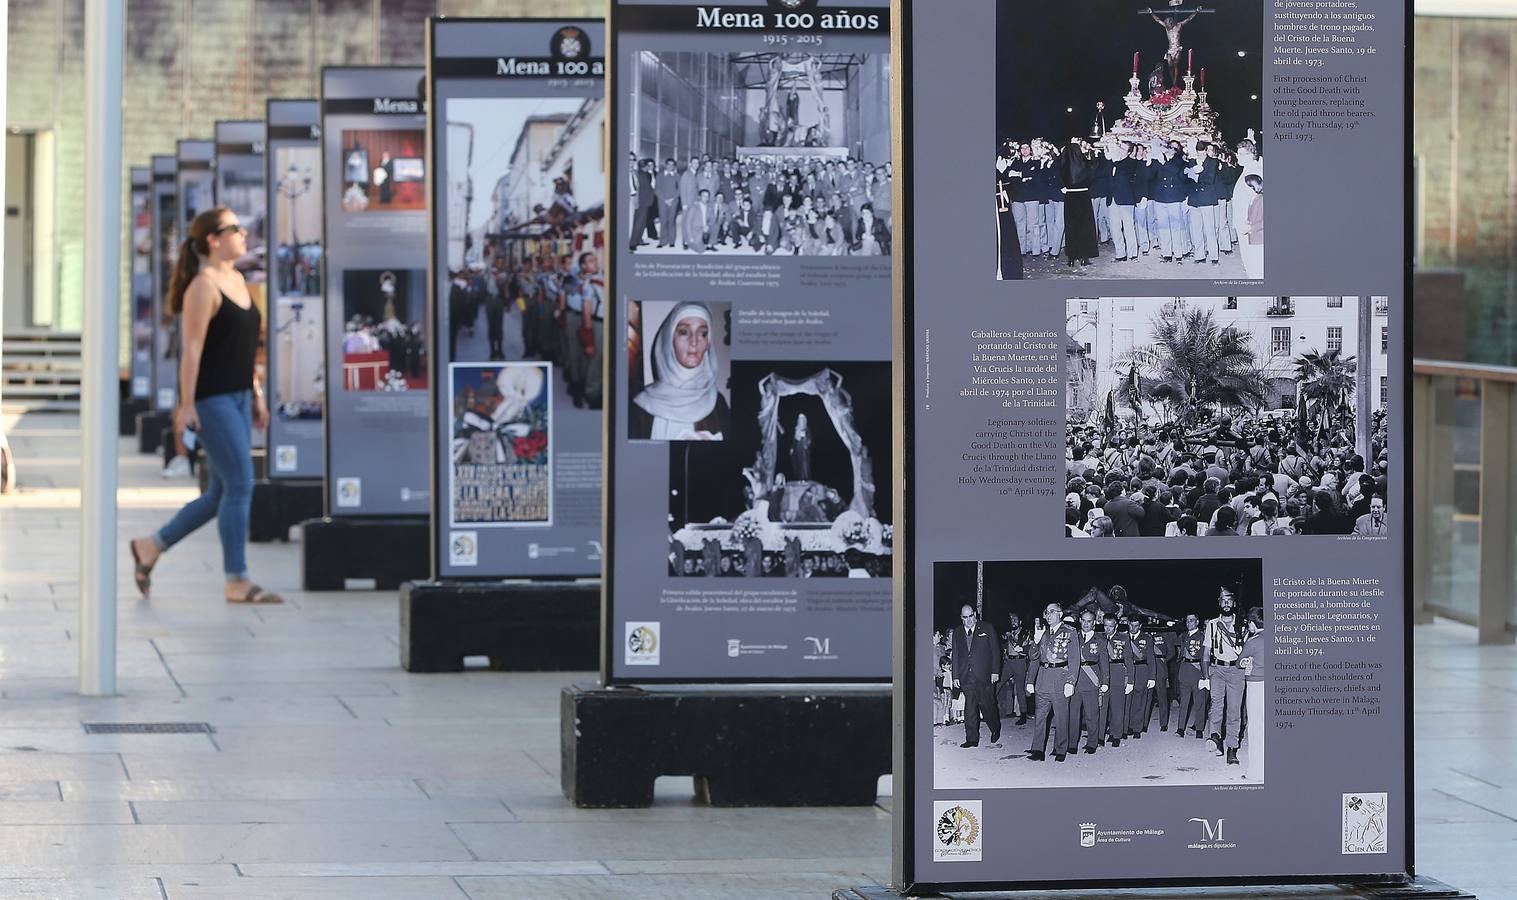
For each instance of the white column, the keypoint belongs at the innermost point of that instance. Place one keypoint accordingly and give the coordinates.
(103, 29)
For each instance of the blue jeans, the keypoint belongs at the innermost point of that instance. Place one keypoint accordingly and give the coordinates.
(226, 432)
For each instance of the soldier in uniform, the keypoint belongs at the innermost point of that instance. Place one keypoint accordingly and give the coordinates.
(1222, 675)
(1141, 667)
(1091, 684)
(1118, 652)
(1052, 680)
(1014, 671)
(1164, 657)
(1192, 646)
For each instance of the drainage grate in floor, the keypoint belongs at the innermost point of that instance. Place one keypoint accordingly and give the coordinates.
(147, 728)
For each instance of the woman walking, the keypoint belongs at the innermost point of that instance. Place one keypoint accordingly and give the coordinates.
(219, 398)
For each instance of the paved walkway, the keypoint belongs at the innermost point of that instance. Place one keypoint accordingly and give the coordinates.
(331, 773)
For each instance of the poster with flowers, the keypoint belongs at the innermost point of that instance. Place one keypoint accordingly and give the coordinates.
(501, 471)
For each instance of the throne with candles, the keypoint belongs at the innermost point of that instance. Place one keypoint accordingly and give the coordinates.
(1169, 111)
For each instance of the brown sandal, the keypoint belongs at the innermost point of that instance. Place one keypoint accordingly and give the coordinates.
(141, 574)
(257, 594)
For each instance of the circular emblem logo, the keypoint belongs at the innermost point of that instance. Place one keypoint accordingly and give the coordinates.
(642, 640)
(958, 827)
(569, 43)
(792, 5)
(463, 546)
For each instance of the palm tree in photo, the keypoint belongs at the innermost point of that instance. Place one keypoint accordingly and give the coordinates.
(1326, 379)
(1193, 363)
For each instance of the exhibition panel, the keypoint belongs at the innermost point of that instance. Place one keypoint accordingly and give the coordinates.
(518, 231)
(164, 235)
(295, 345)
(1102, 347)
(239, 171)
(141, 268)
(374, 173)
(750, 521)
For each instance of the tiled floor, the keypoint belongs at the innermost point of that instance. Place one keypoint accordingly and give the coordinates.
(333, 774)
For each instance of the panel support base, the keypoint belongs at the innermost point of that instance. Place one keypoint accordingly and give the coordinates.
(390, 551)
(522, 626)
(747, 746)
(150, 428)
(1420, 888)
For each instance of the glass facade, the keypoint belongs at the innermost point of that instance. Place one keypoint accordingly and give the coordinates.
(689, 104)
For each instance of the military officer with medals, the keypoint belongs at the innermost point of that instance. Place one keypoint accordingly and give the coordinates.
(1091, 685)
(1118, 653)
(1192, 646)
(1051, 679)
(1164, 658)
(1141, 668)
(1221, 673)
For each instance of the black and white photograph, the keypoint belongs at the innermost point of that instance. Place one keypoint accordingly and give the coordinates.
(1130, 140)
(798, 489)
(679, 356)
(1105, 673)
(526, 213)
(384, 346)
(1228, 417)
(296, 319)
(761, 153)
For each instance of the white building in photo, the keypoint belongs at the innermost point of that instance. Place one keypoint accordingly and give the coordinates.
(1104, 330)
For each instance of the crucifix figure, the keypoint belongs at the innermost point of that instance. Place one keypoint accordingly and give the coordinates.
(1173, 24)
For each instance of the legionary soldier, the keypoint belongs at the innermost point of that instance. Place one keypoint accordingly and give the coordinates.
(1220, 673)
(1014, 671)
(1090, 685)
(1164, 658)
(1119, 652)
(1192, 648)
(976, 668)
(1141, 667)
(1052, 680)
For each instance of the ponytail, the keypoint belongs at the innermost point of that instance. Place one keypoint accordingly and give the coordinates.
(187, 266)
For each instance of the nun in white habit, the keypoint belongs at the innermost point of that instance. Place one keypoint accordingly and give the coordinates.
(684, 402)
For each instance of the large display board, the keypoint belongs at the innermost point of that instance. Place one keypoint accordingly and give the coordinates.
(164, 212)
(518, 213)
(141, 257)
(240, 186)
(373, 134)
(296, 355)
(1101, 358)
(750, 531)
(194, 193)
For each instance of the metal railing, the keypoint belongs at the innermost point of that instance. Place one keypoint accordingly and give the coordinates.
(1464, 496)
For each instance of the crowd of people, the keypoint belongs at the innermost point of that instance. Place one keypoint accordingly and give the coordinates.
(562, 304)
(715, 561)
(1196, 200)
(801, 206)
(1260, 479)
(405, 345)
(1102, 674)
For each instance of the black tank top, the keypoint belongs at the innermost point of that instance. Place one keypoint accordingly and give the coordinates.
(231, 346)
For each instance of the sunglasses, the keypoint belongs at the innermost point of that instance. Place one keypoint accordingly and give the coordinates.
(231, 229)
